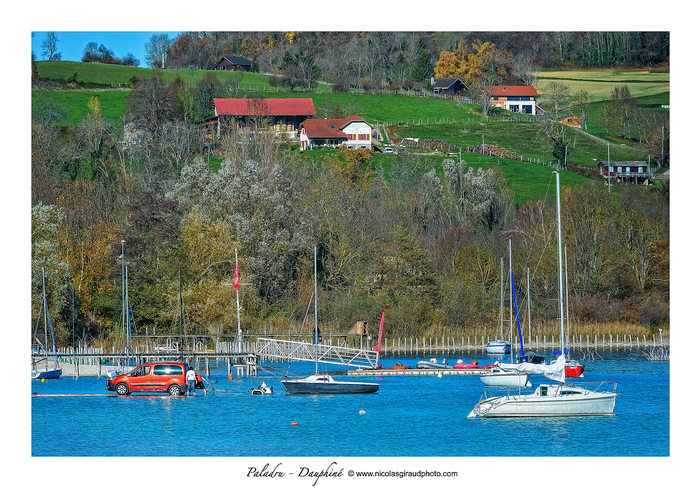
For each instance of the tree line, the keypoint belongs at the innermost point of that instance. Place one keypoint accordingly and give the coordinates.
(420, 243)
(406, 58)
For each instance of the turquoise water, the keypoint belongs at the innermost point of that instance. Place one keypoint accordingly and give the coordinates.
(409, 416)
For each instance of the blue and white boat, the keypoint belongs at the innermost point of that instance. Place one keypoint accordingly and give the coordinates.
(498, 346)
(47, 374)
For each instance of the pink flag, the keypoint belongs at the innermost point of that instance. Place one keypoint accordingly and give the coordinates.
(381, 328)
(236, 277)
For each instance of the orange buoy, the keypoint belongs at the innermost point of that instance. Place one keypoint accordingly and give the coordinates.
(295, 423)
(230, 377)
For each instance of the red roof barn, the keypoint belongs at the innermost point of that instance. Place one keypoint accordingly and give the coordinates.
(284, 114)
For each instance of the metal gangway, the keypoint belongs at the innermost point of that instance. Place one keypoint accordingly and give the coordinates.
(305, 351)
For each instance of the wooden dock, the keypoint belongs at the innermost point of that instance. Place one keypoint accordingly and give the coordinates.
(415, 372)
(95, 364)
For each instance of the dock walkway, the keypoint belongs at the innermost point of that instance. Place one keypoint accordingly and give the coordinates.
(415, 372)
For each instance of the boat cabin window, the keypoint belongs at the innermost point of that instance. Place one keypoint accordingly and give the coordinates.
(543, 390)
(142, 371)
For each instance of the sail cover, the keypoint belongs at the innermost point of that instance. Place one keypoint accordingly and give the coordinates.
(554, 372)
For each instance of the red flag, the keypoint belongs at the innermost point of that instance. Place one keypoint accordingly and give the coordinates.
(381, 328)
(236, 277)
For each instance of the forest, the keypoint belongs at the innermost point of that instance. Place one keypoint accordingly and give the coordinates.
(419, 240)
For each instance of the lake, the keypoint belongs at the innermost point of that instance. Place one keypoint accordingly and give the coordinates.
(410, 415)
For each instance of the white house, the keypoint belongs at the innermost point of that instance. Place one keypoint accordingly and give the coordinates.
(352, 131)
(519, 99)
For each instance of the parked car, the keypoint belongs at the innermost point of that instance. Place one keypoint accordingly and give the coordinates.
(163, 377)
(388, 150)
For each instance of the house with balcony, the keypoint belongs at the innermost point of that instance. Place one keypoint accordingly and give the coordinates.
(518, 99)
(637, 172)
(352, 132)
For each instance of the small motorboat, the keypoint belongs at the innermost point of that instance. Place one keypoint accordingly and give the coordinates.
(433, 364)
(498, 347)
(573, 369)
(263, 389)
(400, 366)
(473, 365)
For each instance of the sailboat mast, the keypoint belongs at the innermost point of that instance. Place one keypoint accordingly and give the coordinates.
(510, 273)
(500, 315)
(238, 313)
(43, 299)
(123, 302)
(315, 314)
(128, 318)
(561, 282)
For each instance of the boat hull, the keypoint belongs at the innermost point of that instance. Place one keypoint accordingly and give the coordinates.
(570, 401)
(51, 374)
(498, 347)
(431, 365)
(319, 385)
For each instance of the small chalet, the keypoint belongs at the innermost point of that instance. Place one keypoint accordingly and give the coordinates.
(448, 86)
(570, 120)
(518, 99)
(284, 115)
(233, 63)
(352, 132)
(636, 172)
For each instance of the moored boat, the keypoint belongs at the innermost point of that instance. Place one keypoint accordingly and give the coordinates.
(551, 399)
(325, 384)
(433, 364)
(498, 347)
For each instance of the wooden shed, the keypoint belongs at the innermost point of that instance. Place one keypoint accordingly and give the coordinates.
(233, 63)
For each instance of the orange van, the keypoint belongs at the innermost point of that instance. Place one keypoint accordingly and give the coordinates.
(151, 377)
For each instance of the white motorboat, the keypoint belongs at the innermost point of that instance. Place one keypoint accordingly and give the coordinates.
(551, 399)
(498, 347)
(263, 389)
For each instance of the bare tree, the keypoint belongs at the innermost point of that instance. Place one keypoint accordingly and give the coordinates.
(50, 47)
(157, 49)
(525, 69)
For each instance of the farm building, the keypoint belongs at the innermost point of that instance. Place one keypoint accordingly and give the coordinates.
(636, 172)
(570, 120)
(448, 86)
(233, 63)
(519, 99)
(284, 115)
(352, 132)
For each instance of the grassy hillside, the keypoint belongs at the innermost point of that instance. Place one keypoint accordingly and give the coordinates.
(419, 117)
(600, 82)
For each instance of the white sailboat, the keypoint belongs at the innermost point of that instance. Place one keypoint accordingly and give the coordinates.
(128, 364)
(551, 400)
(324, 383)
(499, 346)
(56, 371)
(500, 376)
